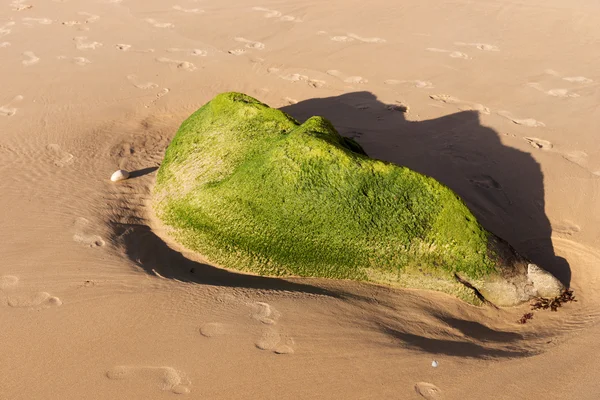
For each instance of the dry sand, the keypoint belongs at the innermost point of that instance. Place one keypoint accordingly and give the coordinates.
(502, 102)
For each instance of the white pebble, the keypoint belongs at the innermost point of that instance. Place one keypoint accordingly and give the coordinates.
(434, 363)
(119, 175)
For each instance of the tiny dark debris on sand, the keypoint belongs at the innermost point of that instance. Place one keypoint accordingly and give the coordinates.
(553, 304)
(525, 318)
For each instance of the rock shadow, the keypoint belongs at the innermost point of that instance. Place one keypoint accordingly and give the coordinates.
(503, 186)
(141, 172)
(455, 348)
(151, 253)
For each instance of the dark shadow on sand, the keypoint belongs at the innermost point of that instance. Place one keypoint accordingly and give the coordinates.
(479, 331)
(503, 186)
(451, 347)
(146, 249)
(141, 172)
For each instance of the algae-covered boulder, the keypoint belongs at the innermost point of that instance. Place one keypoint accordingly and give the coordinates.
(251, 189)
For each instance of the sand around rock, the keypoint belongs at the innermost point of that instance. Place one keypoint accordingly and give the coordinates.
(314, 204)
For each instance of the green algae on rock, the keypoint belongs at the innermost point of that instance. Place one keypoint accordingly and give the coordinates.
(251, 189)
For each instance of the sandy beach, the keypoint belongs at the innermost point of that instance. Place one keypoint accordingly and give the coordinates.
(497, 99)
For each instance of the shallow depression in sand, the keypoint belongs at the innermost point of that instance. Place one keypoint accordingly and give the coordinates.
(165, 378)
(428, 391)
(213, 329)
(8, 281)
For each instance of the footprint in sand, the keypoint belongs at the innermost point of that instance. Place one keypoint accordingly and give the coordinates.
(128, 47)
(264, 313)
(577, 157)
(250, 44)
(295, 77)
(268, 13)
(5, 29)
(479, 46)
(566, 228)
(572, 79)
(561, 93)
(213, 329)
(348, 79)
(552, 92)
(191, 52)
(528, 122)
(237, 52)
(538, 143)
(158, 24)
(9, 283)
(82, 44)
(290, 101)
(353, 134)
(315, 83)
(90, 19)
(167, 378)
(462, 105)
(81, 61)
(486, 182)
(141, 85)
(31, 59)
(17, 5)
(4, 44)
(60, 158)
(428, 391)
(453, 54)
(160, 94)
(39, 299)
(83, 234)
(7, 110)
(341, 38)
(184, 65)
(268, 340)
(366, 39)
(350, 37)
(578, 79)
(271, 340)
(416, 83)
(188, 10)
(42, 21)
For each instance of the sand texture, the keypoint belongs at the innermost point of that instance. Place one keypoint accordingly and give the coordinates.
(497, 99)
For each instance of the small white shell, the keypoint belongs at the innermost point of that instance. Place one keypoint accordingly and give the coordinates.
(119, 175)
(434, 364)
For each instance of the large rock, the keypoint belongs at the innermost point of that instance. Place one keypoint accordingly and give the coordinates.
(251, 189)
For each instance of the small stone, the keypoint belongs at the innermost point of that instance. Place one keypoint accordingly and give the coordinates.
(434, 364)
(119, 175)
(544, 282)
